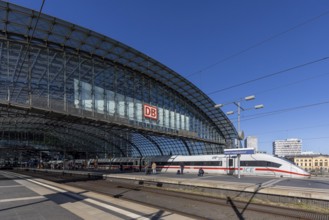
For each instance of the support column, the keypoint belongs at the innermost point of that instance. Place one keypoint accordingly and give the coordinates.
(64, 78)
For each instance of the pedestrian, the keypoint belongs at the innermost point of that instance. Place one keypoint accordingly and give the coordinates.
(201, 172)
(154, 168)
(146, 167)
(182, 168)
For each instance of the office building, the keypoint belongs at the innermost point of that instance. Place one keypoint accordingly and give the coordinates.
(287, 148)
(251, 142)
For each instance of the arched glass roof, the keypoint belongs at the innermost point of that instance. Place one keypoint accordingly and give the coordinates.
(18, 24)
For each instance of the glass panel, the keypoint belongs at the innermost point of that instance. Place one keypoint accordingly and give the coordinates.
(131, 111)
(177, 121)
(183, 122)
(76, 93)
(172, 120)
(121, 104)
(160, 116)
(166, 118)
(110, 102)
(139, 111)
(86, 96)
(187, 123)
(99, 99)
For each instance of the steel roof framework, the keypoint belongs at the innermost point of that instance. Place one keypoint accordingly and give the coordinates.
(35, 94)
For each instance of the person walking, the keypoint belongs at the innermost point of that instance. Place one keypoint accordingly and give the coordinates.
(146, 167)
(154, 168)
(182, 168)
(201, 172)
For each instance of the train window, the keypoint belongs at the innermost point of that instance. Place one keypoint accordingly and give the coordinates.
(189, 163)
(206, 163)
(193, 163)
(214, 163)
(259, 164)
(162, 163)
(272, 164)
(244, 163)
(230, 163)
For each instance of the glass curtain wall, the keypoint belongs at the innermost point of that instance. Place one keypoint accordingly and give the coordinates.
(91, 86)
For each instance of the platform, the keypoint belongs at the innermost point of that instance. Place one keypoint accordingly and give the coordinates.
(22, 197)
(313, 192)
(313, 188)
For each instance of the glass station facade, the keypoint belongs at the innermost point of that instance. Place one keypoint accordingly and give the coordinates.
(83, 91)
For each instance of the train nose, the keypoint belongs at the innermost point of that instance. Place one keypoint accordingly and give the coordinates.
(305, 173)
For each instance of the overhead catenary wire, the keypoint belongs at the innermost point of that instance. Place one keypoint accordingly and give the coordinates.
(292, 83)
(284, 85)
(265, 114)
(316, 138)
(260, 43)
(292, 129)
(270, 75)
(310, 138)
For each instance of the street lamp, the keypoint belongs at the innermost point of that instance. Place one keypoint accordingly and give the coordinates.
(240, 108)
(240, 133)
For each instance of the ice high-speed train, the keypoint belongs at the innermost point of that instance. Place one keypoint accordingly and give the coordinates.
(250, 164)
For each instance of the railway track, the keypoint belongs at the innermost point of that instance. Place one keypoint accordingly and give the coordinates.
(241, 209)
(194, 206)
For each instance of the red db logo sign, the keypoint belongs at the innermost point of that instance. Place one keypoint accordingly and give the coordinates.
(150, 112)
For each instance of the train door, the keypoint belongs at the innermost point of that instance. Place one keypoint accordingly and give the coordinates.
(230, 166)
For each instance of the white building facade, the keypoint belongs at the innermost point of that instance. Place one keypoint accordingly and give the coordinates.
(251, 142)
(288, 147)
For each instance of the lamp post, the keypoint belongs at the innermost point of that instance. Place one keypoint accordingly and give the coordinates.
(240, 108)
(240, 133)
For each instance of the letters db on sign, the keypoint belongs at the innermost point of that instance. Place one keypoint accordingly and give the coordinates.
(150, 112)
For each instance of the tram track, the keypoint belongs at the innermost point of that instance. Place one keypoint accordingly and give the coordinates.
(193, 206)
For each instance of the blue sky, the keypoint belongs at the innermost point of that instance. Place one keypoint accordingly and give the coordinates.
(219, 44)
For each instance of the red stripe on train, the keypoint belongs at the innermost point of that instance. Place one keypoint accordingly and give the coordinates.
(281, 171)
(196, 168)
(225, 169)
